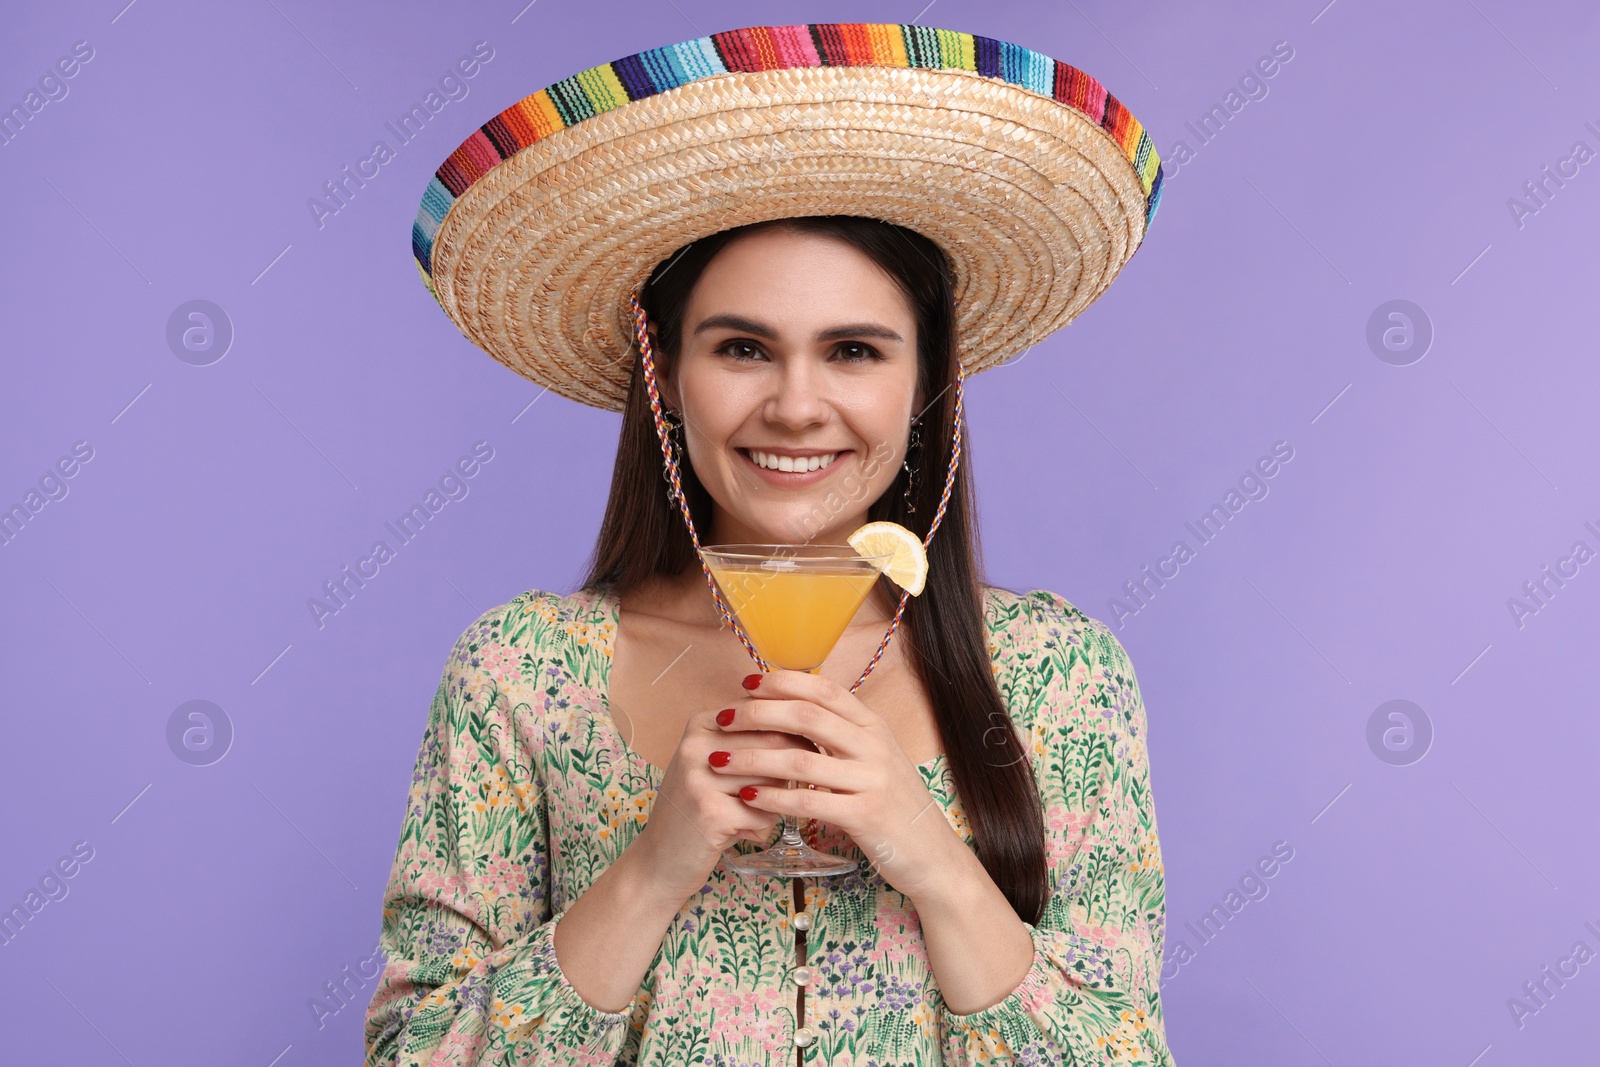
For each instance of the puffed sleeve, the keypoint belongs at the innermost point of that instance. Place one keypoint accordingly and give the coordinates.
(467, 928)
(1092, 995)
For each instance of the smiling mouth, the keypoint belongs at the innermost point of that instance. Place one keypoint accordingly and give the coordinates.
(778, 462)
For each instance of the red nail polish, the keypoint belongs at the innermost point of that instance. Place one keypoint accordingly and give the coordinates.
(719, 759)
(747, 792)
(751, 681)
(725, 717)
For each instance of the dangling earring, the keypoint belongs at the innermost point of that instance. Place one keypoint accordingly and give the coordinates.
(913, 458)
(675, 445)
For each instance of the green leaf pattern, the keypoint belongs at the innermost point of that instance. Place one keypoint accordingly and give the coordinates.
(524, 792)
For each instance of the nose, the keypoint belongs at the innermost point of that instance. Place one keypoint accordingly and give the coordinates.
(799, 399)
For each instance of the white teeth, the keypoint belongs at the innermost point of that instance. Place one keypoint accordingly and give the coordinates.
(802, 464)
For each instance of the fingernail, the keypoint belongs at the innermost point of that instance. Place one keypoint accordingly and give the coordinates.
(719, 759)
(751, 681)
(747, 792)
(725, 717)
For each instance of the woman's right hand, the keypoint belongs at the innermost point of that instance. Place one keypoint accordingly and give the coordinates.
(697, 813)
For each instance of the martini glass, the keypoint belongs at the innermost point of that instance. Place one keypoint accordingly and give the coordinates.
(793, 602)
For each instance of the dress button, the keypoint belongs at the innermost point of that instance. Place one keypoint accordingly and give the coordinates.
(802, 920)
(802, 976)
(803, 1036)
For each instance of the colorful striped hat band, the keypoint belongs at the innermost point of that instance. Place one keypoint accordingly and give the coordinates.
(674, 475)
(1037, 183)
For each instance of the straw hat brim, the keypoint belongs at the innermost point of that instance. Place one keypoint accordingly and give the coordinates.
(1037, 204)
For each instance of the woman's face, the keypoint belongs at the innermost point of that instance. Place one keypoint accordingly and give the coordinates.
(798, 352)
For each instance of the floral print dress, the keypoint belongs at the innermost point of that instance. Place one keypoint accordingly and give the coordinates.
(524, 792)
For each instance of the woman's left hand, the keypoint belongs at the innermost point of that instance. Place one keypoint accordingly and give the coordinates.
(877, 794)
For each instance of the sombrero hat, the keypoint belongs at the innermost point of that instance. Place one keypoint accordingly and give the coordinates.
(539, 227)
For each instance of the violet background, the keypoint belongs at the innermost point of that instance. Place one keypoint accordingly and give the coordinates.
(222, 898)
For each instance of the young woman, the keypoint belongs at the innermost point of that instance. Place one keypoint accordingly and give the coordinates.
(558, 894)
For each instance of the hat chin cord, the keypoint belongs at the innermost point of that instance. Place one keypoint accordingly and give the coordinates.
(646, 355)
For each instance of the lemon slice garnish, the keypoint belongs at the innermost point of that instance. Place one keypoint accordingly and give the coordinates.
(908, 561)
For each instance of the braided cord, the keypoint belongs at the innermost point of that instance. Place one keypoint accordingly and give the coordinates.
(674, 476)
(938, 517)
(642, 336)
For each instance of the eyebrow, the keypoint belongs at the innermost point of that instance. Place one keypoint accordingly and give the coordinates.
(835, 333)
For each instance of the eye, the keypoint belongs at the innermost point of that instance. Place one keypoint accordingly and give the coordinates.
(848, 352)
(740, 351)
(856, 352)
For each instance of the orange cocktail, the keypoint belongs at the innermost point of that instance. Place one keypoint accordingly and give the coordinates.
(793, 613)
(793, 602)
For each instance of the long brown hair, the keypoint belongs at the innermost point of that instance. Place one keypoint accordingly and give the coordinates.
(643, 534)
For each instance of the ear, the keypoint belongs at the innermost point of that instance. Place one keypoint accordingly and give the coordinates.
(664, 377)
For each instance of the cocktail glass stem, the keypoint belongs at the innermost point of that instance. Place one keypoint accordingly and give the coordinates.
(791, 827)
